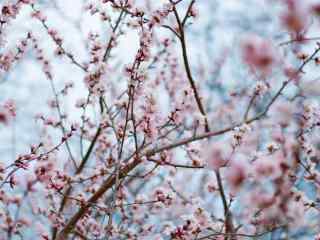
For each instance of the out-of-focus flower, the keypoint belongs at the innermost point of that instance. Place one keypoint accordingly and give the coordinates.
(295, 18)
(217, 156)
(258, 53)
(237, 173)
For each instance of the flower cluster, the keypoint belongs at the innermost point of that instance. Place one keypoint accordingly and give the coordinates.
(145, 129)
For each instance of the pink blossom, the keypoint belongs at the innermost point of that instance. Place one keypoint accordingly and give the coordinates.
(259, 54)
(217, 156)
(295, 18)
(237, 173)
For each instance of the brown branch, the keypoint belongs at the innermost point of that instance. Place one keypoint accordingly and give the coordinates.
(114, 29)
(240, 234)
(252, 99)
(299, 40)
(187, 13)
(107, 184)
(188, 69)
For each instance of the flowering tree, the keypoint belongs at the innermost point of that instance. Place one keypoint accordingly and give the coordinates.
(151, 124)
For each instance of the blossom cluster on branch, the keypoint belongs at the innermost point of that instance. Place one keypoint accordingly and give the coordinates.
(160, 144)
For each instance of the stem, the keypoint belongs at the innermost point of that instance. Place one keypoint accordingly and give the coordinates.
(228, 216)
